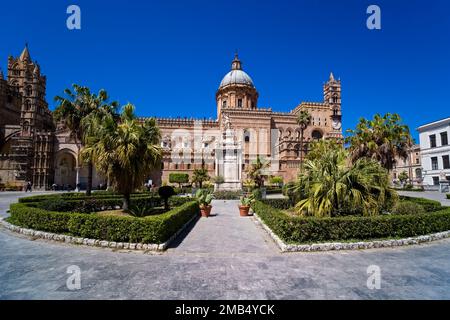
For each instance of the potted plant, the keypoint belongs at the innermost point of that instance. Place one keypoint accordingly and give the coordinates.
(244, 207)
(204, 198)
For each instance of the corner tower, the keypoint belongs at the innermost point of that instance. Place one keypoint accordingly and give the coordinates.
(236, 90)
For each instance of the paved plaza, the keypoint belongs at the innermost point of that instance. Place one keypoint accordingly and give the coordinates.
(220, 257)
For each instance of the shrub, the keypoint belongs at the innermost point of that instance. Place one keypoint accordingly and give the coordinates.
(257, 194)
(282, 204)
(151, 229)
(407, 207)
(311, 229)
(428, 205)
(448, 196)
(228, 195)
(165, 193)
(276, 180)
(274, 190)
(179, 178)
(56, 204)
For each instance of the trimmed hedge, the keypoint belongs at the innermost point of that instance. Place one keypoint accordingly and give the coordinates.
(151, 229)
(282, 204)
(227, 195)
(94, 203)
(310, 229)
(428, 205)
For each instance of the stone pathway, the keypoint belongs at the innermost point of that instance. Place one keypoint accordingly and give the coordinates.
(432, 195)
(224, 232)
(244, 265)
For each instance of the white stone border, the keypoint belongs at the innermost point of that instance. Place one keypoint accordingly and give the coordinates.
(334, 246)
(94, 242)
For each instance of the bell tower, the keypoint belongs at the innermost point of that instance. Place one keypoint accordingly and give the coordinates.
(332, 98)
(26, 77)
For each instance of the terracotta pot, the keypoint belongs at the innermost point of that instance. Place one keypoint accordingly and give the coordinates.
(243, 210)
(205, 211)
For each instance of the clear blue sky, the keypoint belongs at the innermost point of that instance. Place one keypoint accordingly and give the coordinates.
(168, 57)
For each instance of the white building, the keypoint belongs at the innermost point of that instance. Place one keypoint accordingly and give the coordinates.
(435, 151)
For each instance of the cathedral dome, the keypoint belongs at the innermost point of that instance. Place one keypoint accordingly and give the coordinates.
(236, 75)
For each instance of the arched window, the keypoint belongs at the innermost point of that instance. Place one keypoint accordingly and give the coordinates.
(335, 99)
(246, 136)
(316, 135)
(224, 103)
(28, 91)
(26, 127)
(239, 103)
(27, 105)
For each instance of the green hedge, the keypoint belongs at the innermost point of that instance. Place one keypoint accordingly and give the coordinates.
(309, 229)
(282, 204)
(227, 195)
(96, 203)
(448, 196)
(428, 205)
(150, 229)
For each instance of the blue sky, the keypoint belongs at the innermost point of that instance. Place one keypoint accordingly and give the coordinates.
(168, 57)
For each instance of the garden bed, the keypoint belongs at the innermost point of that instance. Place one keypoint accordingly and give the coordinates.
(293, 230)
(152, 229)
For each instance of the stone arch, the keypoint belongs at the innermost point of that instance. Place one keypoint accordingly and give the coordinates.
(65, 168)
(316, 134)
(289, 132)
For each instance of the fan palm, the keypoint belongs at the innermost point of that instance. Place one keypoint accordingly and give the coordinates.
(332, 186)
(257, 171)
(384, 138)
(199, 176)
(127, 151)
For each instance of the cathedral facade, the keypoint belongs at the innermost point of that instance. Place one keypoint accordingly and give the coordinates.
(34, 148)
(190, 144)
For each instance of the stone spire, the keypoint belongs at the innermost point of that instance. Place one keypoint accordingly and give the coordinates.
(25, 55)
(236, 64)
(331, 77)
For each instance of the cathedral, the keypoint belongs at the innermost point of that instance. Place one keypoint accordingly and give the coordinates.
(35, 149)
(190, 144)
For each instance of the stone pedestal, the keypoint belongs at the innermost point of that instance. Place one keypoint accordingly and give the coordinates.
(228, 154)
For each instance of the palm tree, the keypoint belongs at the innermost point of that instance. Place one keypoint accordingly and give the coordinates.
(256, 172)
(78, 109)
(127, 151)
(199, 176)
(384, 138)
(331, 186)
(303, 120)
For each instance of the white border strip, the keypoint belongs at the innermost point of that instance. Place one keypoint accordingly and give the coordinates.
(334, 246)
(94, 242)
